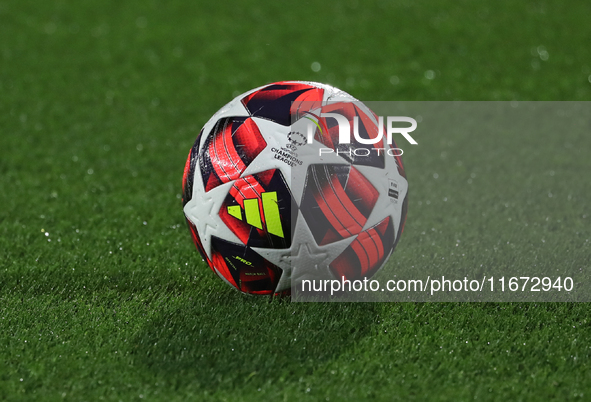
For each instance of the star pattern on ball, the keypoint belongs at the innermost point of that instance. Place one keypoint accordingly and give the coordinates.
(202, 211)
(307, 260)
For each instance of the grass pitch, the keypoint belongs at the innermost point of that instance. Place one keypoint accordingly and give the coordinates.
(102, 294)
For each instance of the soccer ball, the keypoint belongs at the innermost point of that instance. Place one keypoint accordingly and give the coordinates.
(271, 196)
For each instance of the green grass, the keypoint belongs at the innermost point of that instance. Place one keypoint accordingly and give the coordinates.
(99, 105)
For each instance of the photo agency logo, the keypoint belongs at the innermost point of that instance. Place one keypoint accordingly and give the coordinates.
(337, 126)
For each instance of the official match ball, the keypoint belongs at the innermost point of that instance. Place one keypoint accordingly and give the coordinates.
(273, 196)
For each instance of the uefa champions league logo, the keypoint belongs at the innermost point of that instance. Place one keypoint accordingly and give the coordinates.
(296, 139)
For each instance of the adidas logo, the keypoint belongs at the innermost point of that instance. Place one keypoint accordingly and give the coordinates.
(253, 215)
